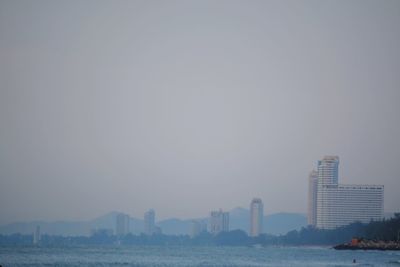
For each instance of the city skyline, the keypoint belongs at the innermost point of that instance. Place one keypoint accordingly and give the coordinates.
(122, 224)
(310, 211)
(125, 105)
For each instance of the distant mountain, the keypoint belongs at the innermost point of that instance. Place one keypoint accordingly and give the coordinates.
(53, 228)
(279, 223)
(239, 219)
(70, 228)
(105, 221)
(175, 226)
(108, 221)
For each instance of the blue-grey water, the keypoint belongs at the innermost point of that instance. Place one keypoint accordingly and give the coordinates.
(193, 256)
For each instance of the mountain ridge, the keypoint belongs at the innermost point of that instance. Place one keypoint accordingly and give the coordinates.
(276, 223)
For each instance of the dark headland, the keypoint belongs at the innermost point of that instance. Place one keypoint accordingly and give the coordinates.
(365, 244)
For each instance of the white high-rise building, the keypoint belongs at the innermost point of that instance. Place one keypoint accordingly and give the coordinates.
(337, 204)
(328, 170)
(312, 197)
(256, 217)
(122, 224)
(219, 222)
(149, 222)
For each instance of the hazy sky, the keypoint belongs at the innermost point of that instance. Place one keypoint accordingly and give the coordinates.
(189, 106)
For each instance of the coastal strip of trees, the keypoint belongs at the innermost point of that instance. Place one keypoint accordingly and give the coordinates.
(385, 230)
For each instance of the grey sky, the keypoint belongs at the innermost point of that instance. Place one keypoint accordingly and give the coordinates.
(188, 106)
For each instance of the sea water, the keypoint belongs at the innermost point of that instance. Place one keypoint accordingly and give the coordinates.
(192, 256)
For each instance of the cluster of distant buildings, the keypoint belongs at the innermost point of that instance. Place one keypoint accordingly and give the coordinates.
(218, 222)
(122, 224)
(331, 205)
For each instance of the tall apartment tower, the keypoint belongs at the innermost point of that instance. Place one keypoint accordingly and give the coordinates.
(122, 224)
(256, 217)
(328, 170)
(339, 204)
(219, 222)
(312, 198)
(149, 222)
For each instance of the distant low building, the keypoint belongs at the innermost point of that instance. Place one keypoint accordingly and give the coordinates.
(198, 227)
(150, 222)
(157, 230)
(37, 235)
(122, 224)
(219, 221)
(102, 231)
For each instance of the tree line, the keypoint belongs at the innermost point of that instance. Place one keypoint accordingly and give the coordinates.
(387, 230)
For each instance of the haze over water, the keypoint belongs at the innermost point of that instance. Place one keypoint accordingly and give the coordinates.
(194, 256)
(190, 106)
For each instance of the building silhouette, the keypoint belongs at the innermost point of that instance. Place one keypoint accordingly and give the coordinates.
(122, 224)
(37, 235)
(198, 227)
(312, 197)
(256, 217)
(101, 232)
(149, 222)
(219, 221)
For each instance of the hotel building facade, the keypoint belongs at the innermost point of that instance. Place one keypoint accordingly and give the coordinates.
(331, 205)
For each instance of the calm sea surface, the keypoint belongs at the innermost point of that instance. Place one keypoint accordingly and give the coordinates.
(193, 256)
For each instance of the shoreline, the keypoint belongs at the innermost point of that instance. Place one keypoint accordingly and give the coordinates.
(363, 244)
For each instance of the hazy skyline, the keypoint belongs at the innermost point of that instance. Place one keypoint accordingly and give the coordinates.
(191, 106)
